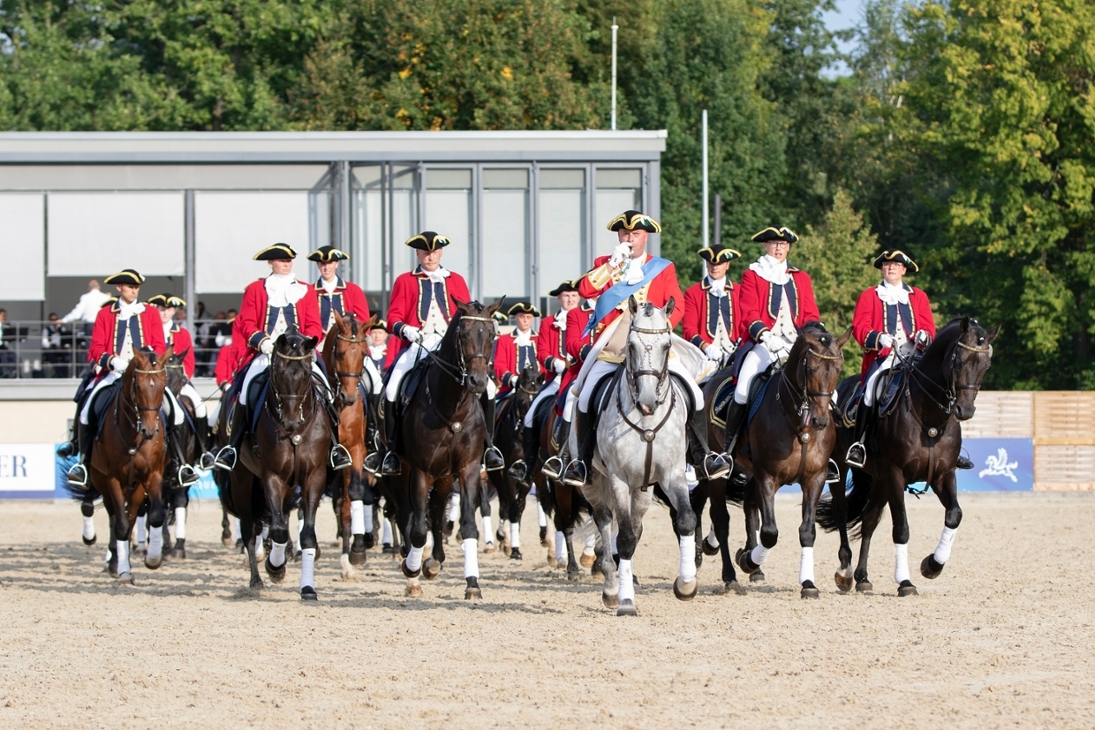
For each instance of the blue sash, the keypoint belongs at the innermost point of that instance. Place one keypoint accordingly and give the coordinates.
(621, 291)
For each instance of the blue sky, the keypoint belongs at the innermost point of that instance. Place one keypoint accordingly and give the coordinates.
(846, 15)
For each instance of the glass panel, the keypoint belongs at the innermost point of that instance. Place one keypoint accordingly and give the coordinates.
(449, 212)
(505, 243)
(609, 178)
(513, 179)
(24, 236)
(368, 232)
(562, 223)
(610, 203)
(443, 178)
(553, 179)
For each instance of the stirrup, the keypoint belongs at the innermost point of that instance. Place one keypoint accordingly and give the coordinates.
(226, 458)
(391, 466)
(857, 455)
(496, 464)
(340, 458)
(832, 473)
(372, 462)
(77, 475)
(206, 461)
(576, 474)
(963, 462)
(553, 467)
(518, 470)
(716, 466)
(187, 476)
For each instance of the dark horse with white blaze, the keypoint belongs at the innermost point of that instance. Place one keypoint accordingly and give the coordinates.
(443, 435)
(289, 448)
(789, 441)
(127, 465)
(917, 440)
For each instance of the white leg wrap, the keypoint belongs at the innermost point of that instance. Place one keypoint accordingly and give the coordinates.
(712, 539)
(760, 554)
(300, 527)
(155, 543)
(357, 517)
(121, 547)
(236, 527)
(141, 529)
(626, 592)
(471, 557)
(942, 550)
(308, 567)
(514, 535)
(414, 558)
(89, 527)
(386, 532)
(265, 531)
(688, 558)
(901, 563)
(806, 566)
(612, 542)
(560, 547)
(260, 551)
(277, 554)
(180, 523)
(488, 530)
(541, 518)
(690, 477)
(591, 542)
(366, 518)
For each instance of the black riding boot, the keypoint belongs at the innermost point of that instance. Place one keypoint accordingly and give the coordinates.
(857, 452)
(577, 472)
(391, 465)
(372, 459)
(707, 462)
(186, 474)
(77, 475)
(962, 462)
(492, 457)
(237, 426)
(734, 421)
(554, 465)
(530, 447)
(201, 432)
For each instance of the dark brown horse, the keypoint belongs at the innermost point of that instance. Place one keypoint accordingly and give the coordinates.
(565, 505)
(344, 351)
(916, 441)
(789, 441)
(509, 437)
(127, 465)
(443, 437)
(288, 449)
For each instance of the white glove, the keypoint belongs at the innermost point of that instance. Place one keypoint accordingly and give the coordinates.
(764, 336)
(118, 364)
(885, 341)
(411, 333)
(922, 337)
(558, 365)
(714, 352)
(561, 320)
(266, 346)
(620, 255)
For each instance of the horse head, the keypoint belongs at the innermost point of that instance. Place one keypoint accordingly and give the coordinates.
(529, 381)
(965, 348)
(350, 340)
(144, 382)
(176, 372)
(814, 365)
(468, 343)
(647, 357)
(291, 376)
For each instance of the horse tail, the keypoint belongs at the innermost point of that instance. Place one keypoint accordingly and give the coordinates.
(85, 493)
(855, 501)
(224, 489)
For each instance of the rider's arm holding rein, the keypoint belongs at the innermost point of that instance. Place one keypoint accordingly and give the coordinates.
(868, 310)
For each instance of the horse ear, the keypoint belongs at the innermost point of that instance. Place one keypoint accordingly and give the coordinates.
(843, 339)
(965, 325)
(670, 306)
(461, 305)
(491, 309)
(632, 304)
(310, 343)
(183, 353)
(169, 352)
(338, 317)
(991, 334)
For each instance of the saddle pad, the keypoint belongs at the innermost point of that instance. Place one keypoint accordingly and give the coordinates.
(850, 406)
(604, 390)
(539, 416)
(686, 389)
(892, 385)
(757, 389)
(256, 396)
(102, 402)
(412, 380)
(721, 400)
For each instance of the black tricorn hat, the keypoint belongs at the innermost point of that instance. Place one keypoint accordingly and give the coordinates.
(125, 276)
(428, 241)
(166, 300)
(631, 220)
(328, 253)
(563, 288)
(379, 325)
(718, 254)
(775, 233)
(896, 255)
(523, 308)
(277, 252)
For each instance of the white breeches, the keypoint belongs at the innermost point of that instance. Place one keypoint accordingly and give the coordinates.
(260, 365)
(111, 378)
(872, 381)
(403, 364)
(189, 392)
(549, 391)
(568, 406)
(756, 361)
(376, 380)
(602, 368)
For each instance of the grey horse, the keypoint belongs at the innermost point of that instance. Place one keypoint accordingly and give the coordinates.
(640, 441)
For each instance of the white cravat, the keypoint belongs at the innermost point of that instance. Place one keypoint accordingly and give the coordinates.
(377, 352)
(329, 286)
(283, 290)
(633, 274)
(771, 269)
(890, 294)
(523, 339)
(438, 276)
(718, 286)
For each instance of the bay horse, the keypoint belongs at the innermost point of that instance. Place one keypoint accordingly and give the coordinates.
(345, 349)
(918, 440)
(127, 465)
(288, 449)
(565, 505)
(509, 438)
(641, 441)
(789, 441)
(443, 435)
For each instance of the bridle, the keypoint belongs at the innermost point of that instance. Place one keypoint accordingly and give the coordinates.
(950, 391)
(354, 340)
(802, 397)
(299, 397)
(647, 434)
(459, 372)
(661, 374)
(136, 420)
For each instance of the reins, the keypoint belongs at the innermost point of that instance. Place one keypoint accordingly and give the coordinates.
(293, 438)
(803, 408)
(458, 372)
(648, 434)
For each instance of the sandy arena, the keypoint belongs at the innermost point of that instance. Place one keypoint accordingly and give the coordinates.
(1004, 638)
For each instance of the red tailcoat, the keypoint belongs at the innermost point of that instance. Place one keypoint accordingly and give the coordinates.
(510, 360)
(551, 345)
(347, 297)
(256, 320)
(577, 344)
(145, 329)
(226, 365)
(702, 312)
(600, 279)
(181, 340)
(760, 300)
(412, 293)
(872, 319)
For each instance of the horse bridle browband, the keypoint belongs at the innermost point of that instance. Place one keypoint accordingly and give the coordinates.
(661, 375)
(300, 397)
(803, 395)
(448, 368)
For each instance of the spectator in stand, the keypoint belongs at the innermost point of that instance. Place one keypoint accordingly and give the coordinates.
(57, 347)
(87, 309)
(7, 353)
(203, 342)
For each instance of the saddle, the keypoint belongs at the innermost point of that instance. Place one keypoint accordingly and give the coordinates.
(256, 396)
(887, 393)
(411, 381)
(103, 399)
(539, 416)
(603, 390)
(724, 397)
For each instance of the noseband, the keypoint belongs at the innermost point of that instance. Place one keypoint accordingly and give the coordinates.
(661, 374)
(299, 397)
(459, 372)
(138, 409)
(801, 397)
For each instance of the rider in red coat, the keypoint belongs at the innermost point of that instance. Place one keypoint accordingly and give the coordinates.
(517, 350)
(712, 307)
(332, 293)
(578, 343)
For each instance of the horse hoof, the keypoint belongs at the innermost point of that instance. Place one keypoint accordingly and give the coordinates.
(573, 575)
(864, 586)
(407, 571)
(809, 590)
(277, 574)
(551, 562)
(431, 569)
(596, 570)
(611, 600)
(125, 579)
(685, 591)
(488, 548)
(709, 549)
(757, 576)
(153, 564)
(744, 559)
(90, 540)
(930, 568)
(907, 589)
(587, 560)
(256, 585)
(627, 608)
(543, 538)
(506, 549)
(472, 592)
(734, 587)
(357, 558)
(515, 554)
(227, 540)
(308, 593)
(843, 581)
(413, 591)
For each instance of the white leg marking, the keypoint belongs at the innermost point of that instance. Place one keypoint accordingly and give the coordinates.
(89, 527)
(712, 539)
(488, 530)
(386, 534)
(180, 523)
(307, 567)
(514, 535)
(260, 551)
(141, 529)
(560, 547)
(541, 517)
(626, 591)
(943, 549)
(366, 518)
(121, 547)
(155, 544)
